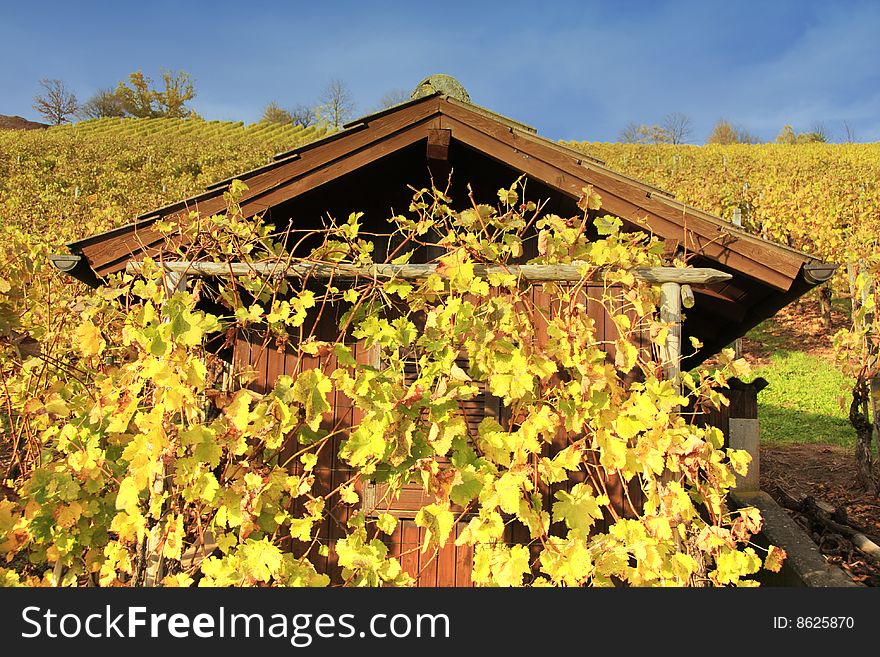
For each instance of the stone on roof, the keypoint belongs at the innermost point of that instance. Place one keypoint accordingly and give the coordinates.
(442, 84)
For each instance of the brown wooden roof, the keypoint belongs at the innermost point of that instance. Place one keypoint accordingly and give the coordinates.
(767, 275)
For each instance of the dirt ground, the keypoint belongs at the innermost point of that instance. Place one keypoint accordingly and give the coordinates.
(797, 325)
(827, 472)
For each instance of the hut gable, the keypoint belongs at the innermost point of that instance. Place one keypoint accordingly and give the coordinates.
(369, 164)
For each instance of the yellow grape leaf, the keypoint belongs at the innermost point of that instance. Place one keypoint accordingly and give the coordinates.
(386, 523)
(608, 225)
(239, 410)
(261, 559)
(458, 374)
(627, 427)
(775, 558)
(310, 390)
(128, 496)
(174, 538)
(180, 580)
(739, 461)
(67, 515)
(437, 521)
(487, 527)
(579, 508)
(508, 487)
(348, 495)
(89, 339)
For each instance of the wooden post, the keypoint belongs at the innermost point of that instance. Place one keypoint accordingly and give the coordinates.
(737, 221)
(875, 409)
(175, 281)
(670, 313)
(154, 564)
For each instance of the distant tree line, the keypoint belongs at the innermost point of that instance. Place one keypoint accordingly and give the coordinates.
(335, 107)
(138, 97)
(817, 134)
(677, 128)
(724, 132)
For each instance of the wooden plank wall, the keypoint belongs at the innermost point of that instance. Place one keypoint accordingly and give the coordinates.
(452, 565)
(269, 363)
(743, 399)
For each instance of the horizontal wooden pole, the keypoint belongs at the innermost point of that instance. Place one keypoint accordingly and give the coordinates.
(342, 271)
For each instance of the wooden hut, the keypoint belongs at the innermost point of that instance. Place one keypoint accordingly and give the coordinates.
(369, 166)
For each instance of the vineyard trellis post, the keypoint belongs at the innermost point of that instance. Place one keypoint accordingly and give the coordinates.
(874, 359)
(866, 392)
(737, 221)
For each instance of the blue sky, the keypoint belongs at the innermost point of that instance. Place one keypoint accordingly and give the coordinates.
(574, 70)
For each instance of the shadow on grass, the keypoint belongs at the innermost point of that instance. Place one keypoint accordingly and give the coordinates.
(804, 401)
(787, 426)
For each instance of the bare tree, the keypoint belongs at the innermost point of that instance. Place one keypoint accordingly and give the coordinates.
(303, 115)
(819, 132)
(393, 97)
(104, 103)
(635, 133)
(849, 134)
(56, 103)
(632, 133)
(678, 127)
(745, 137)
(336, 103)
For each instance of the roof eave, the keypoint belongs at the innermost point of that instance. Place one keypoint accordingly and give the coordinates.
(76, 266)
(808, 279)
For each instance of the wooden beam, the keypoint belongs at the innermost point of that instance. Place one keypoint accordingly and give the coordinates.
(437, 154)
(687, 296)
(341, 167)
(725, 307)
(670, 248)
(682, 276)
(341, 271)
(438, 144)
(778, 256)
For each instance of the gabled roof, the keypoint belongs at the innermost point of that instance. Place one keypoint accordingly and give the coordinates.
(767, 275)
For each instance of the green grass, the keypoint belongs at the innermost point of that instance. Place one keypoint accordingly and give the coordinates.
(802, 403)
